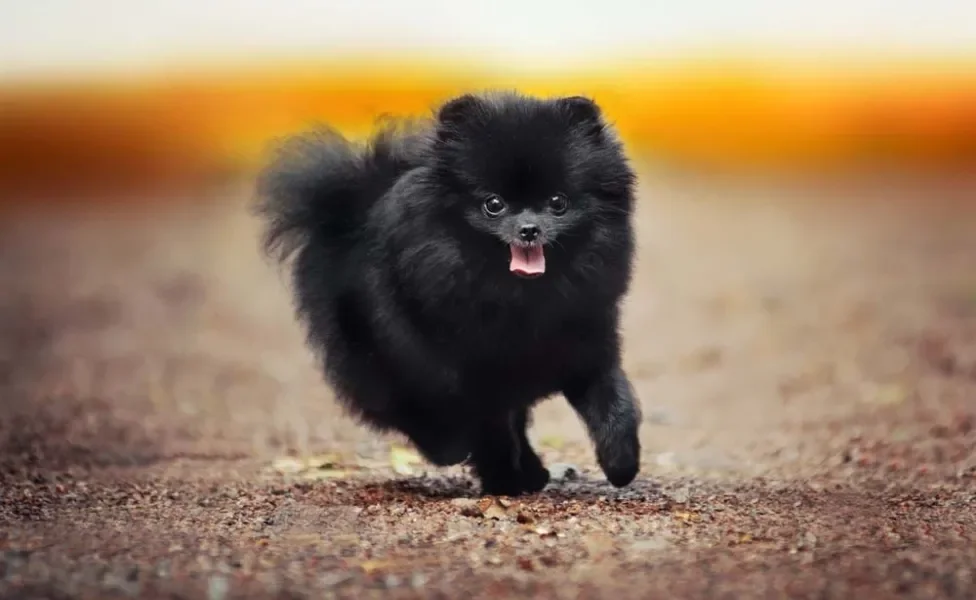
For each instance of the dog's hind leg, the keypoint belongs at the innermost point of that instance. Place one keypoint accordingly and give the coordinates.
(504, 460)
(533, 474)
(437, 438)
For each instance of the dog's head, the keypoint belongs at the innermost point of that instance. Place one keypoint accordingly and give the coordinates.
(534, 174)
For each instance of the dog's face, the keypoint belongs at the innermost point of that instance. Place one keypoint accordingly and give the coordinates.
(522, 170)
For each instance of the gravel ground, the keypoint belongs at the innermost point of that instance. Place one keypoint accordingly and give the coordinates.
(807, 364)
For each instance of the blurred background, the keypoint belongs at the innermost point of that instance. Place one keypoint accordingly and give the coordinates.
(109, 91)
(803, 310)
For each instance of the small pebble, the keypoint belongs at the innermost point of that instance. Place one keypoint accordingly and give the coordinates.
(563, 472)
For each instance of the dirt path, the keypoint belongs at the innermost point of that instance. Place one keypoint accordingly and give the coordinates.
(807, 366)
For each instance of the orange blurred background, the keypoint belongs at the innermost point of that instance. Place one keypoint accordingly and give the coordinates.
(138, 95)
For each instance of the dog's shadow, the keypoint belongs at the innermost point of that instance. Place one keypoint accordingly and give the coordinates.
(580, 488)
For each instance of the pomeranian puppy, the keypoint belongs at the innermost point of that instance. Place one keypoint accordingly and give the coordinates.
(453, 273)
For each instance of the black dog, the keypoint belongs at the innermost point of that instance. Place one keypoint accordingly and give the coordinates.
(450, 275)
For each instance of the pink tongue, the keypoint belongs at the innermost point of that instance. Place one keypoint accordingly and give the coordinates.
(527, 261)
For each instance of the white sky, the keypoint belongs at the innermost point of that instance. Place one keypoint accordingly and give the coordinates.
(43, 35)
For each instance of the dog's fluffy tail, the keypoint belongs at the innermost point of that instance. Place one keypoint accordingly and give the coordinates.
(320, 185)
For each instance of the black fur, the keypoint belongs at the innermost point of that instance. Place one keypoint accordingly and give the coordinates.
(402, 278)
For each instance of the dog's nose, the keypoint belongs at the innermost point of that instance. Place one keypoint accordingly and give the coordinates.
(528, 233)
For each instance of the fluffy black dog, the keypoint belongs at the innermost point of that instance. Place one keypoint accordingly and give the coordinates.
(453, 273)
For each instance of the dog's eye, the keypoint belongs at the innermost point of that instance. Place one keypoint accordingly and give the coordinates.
(558, 204)
(493, 206)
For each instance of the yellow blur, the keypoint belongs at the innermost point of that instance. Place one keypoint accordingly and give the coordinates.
(731, 115)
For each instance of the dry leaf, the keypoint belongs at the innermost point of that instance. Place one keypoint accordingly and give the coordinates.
(495, 512)
(320, 466)
(319, 474)
(371, 566)
(288, 464)
(402, 460)
(487, 507)
(493, 509)
(552, 441)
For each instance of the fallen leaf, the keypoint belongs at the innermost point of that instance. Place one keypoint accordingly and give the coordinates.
(687, 517)
(288, 464)
(495, 512)
(491, 508)
(372, 566)
(552, 441)
(319, 466)
(319, 474)
(402, 460)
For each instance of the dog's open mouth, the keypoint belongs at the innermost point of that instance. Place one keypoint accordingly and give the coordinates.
(527, 261)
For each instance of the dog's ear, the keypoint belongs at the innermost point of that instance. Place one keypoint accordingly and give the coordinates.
(454, 114)
(459, 110)
(583, 112)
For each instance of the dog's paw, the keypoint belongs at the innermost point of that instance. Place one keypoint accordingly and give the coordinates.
(498, 485)
(534, 481)
(515, 482)
(532, 473)
(621, 462)
(621, 474)
(529, 479)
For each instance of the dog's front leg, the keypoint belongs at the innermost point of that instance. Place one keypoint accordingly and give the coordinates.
(610, 410)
